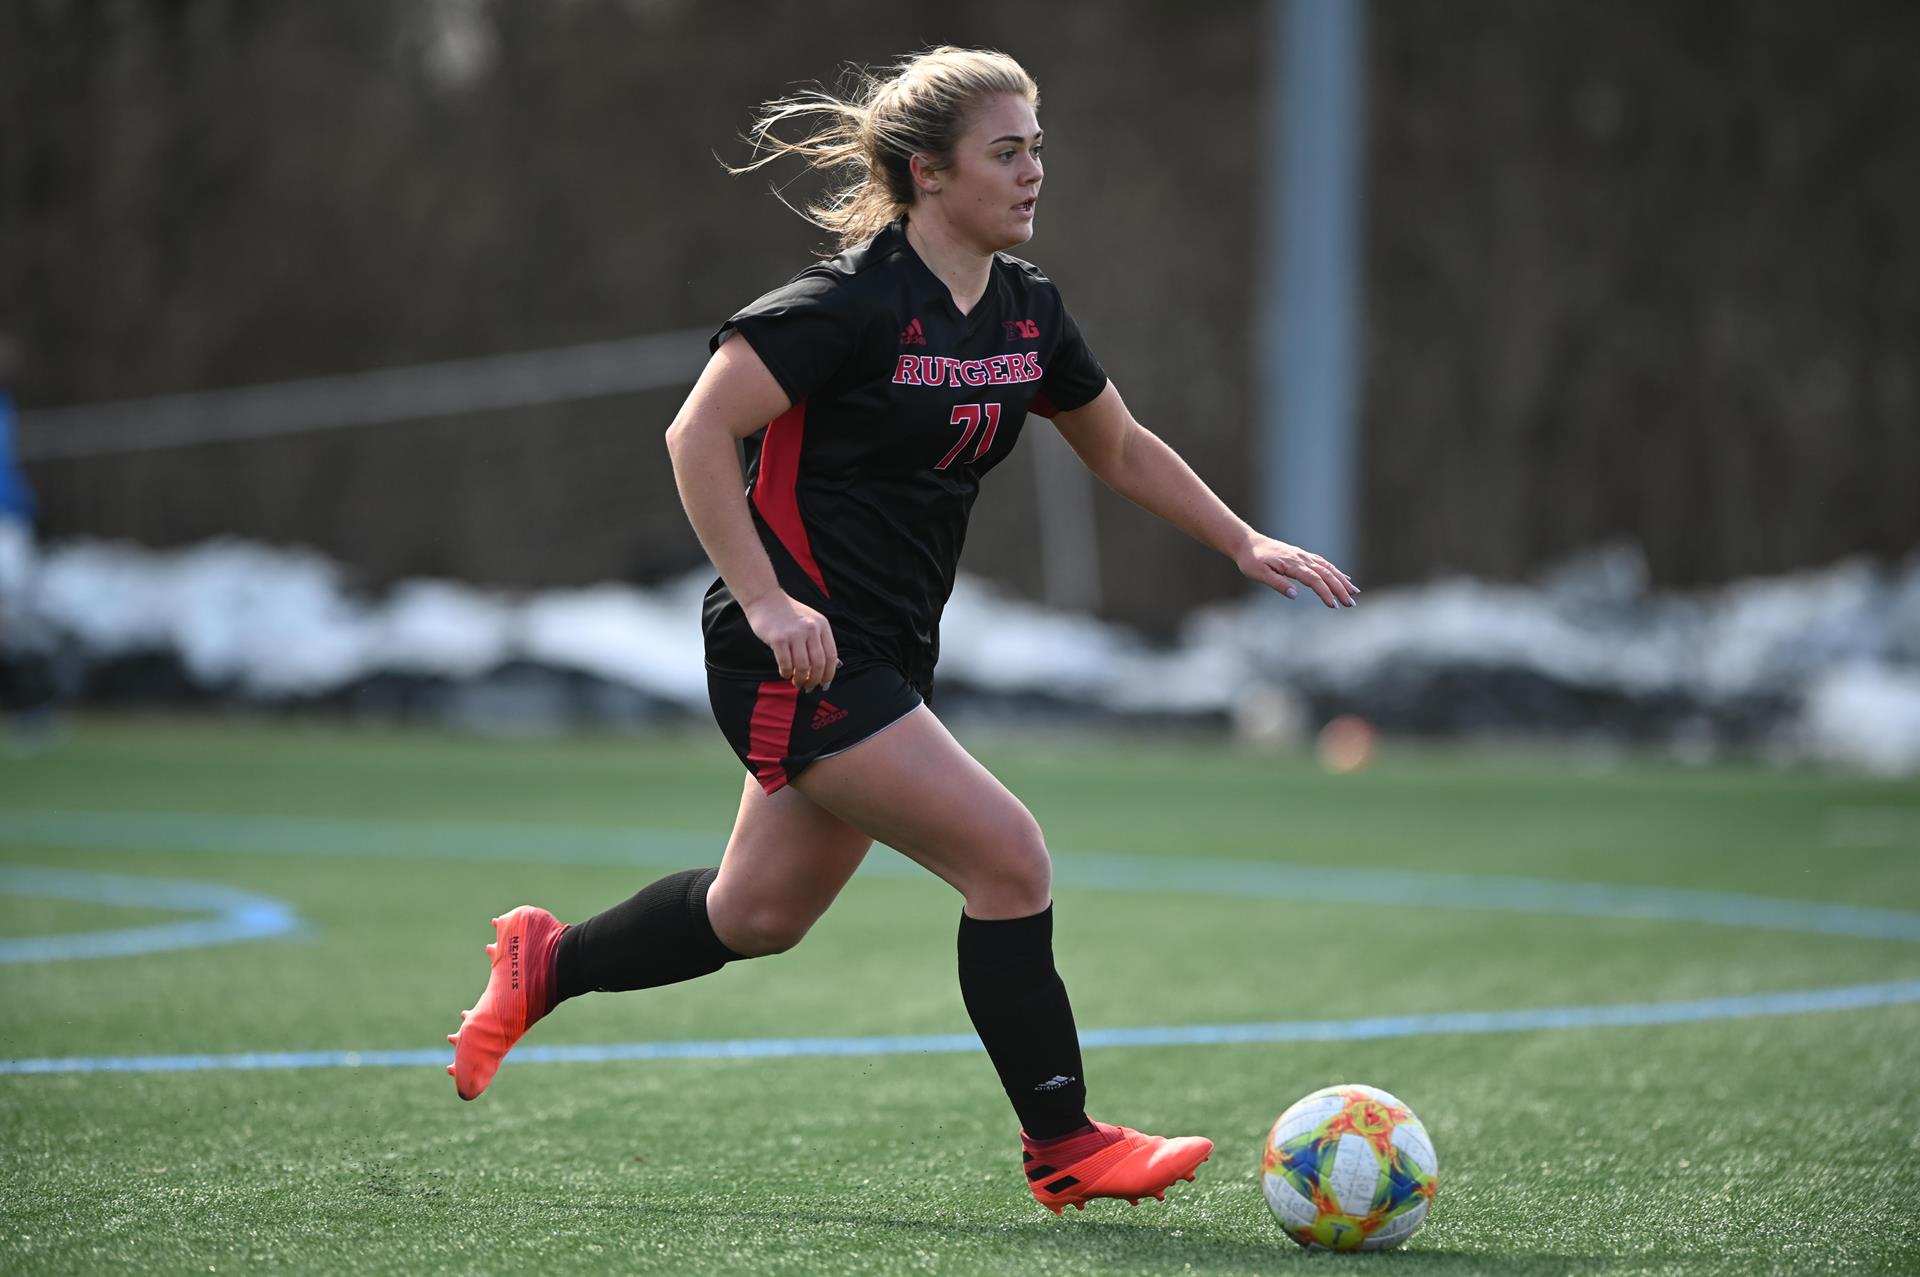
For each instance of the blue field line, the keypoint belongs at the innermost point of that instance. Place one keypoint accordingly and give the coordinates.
(1638, 1014)
(241, 916)
(1182, 875)
(235, 915)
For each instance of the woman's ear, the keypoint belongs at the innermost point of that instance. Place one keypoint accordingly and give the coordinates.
(925, 176)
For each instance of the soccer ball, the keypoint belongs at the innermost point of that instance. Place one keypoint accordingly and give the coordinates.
(1349, 1168)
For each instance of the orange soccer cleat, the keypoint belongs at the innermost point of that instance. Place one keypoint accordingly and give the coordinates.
(1132, 1167)
(519, 992)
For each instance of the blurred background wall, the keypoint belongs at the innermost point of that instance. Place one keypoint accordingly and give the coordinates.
(1634, 271)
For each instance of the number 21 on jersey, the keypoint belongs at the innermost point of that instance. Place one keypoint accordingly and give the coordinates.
(970, 416)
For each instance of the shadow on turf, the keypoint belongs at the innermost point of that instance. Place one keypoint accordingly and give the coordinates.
(1171, 1242)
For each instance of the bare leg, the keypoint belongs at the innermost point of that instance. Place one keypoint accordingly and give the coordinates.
(787, 860)
(917, 789)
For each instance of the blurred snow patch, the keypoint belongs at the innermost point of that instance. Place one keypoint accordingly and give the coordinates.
(443, 628)
(1820, 665)
(997, 644)
(1867, 717)
(648, 640)
(264, 621)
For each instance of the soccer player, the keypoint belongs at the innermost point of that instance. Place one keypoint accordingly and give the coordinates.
(873, 392)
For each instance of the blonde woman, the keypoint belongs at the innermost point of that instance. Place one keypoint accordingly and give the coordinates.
(873, 392)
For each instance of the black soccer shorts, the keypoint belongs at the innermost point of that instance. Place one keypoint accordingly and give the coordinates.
(778, 730)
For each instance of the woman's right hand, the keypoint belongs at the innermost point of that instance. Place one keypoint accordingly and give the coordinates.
(800, 638)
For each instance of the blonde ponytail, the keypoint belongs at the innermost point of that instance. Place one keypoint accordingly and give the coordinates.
(866, 138)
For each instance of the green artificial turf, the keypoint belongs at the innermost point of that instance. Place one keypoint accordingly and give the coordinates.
(1782, 1144)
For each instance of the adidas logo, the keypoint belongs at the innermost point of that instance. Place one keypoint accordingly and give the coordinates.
(826, 714)
(912, 335)
(1054, 1083)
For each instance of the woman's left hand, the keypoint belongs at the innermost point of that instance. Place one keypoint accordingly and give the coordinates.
(1277, 565)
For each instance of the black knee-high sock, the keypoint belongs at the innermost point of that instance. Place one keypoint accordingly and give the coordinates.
(1019, 1008)
(660, 936)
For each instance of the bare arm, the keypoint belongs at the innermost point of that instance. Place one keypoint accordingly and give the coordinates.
(735, 397)
(1136, 463)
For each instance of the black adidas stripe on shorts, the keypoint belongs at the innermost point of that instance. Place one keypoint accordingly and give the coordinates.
(778, 730)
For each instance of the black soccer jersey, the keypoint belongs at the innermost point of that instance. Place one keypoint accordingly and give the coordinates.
(861, 490)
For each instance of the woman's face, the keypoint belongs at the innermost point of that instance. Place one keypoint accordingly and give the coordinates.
(988, 193)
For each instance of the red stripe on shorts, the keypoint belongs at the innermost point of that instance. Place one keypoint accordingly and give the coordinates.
(770, 730)
(774, 488)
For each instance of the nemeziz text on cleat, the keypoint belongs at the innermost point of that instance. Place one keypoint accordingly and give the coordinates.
(518, 993)
(1132, 1167)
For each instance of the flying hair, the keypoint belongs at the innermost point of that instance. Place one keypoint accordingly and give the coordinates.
(864, 137)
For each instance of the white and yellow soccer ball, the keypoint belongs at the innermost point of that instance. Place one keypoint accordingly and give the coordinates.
(1349, 1168)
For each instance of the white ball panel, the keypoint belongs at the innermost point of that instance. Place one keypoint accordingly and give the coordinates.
(1411, 1139)
(1286, 1203)
(1398, 1230)
(1354, 1175)
(1304, 1116)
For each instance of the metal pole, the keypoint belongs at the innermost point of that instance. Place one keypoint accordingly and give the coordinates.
(1069, 531)
(1315, 51)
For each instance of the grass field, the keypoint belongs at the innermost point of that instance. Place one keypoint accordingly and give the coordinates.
(1197, 886)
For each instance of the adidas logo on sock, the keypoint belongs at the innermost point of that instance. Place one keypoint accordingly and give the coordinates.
(912, 335)
(826, 714)
(1054, 1083)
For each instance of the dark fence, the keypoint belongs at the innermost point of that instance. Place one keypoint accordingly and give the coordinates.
(1634, 270)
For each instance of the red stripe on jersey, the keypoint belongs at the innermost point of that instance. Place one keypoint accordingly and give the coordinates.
(770, 730)
(1042, 407)
(773, 490)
